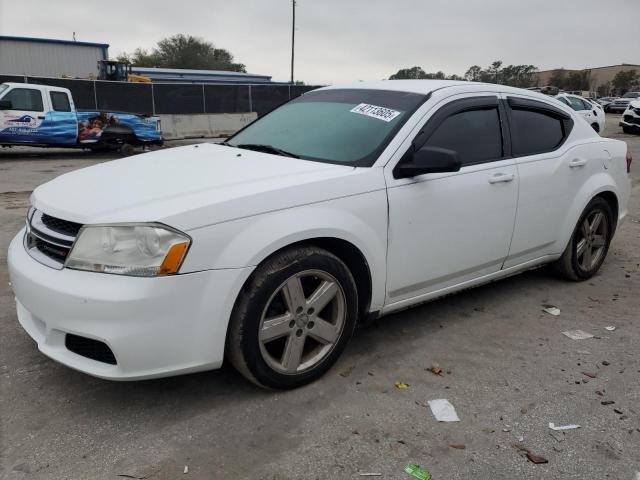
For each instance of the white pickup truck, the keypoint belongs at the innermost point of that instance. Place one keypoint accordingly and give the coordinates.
(45, 116)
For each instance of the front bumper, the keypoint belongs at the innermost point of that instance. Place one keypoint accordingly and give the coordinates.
(155, 327)
(630, 119)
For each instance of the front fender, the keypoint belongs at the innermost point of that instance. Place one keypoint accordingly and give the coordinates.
(360, 220)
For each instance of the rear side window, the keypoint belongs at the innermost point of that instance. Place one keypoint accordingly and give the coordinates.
(26, 99)
(536, 126)
(60, 102)
(474, 134)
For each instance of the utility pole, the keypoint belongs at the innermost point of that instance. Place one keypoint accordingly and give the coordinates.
(293, 36)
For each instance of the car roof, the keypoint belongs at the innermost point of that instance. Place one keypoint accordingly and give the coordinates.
(429, 86)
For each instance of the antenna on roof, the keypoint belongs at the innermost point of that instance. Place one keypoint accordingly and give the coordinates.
(74, 36)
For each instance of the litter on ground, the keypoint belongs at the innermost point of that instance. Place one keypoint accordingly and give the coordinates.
(572, 426)
(577, 334)
(551, 310)
(401, 385)
(417, 472)
(611, 328)
(370, 474)
(443, 410)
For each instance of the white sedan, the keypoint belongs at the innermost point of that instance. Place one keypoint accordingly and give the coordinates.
(345, 204)
(592, 112)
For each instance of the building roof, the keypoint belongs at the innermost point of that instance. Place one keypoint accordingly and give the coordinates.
(183, 75)
(588, 68)
(190, 72)
(53, 40)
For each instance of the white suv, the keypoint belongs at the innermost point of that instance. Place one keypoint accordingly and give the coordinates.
(344, 204)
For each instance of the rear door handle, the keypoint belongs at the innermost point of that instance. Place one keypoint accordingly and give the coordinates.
(501, 177)
(577, 162)
(40, 117)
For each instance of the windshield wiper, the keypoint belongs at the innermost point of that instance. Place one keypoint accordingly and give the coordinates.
(259, 147)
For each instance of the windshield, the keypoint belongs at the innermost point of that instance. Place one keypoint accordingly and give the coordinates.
(631, 95)
(345, 126)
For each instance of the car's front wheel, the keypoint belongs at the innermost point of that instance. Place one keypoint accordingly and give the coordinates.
(589, 243)
(293, 318)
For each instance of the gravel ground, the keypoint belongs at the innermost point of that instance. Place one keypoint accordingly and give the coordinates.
(507, 369)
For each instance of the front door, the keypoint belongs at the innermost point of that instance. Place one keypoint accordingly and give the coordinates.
(20, 121)
(449, 228)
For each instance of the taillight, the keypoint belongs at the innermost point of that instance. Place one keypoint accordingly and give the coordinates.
(629, 159)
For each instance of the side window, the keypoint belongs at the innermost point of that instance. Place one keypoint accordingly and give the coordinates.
(60, 102)
(474, 134)
(535, 131)
(27, 99)
(577, 104)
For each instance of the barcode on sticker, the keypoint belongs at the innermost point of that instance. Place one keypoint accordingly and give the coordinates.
(381, 113)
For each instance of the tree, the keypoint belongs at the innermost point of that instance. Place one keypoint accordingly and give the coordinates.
(625, 81)
(184, 51)
(518, 75)
(558, 78)
(413, 73)
(494, 70)
(474, 73)
(578, 80)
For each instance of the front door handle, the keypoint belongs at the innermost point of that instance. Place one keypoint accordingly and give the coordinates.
(577, 162)
(40, 117)
(501, 177)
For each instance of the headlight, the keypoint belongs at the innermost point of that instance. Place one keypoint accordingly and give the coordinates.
(135, 250)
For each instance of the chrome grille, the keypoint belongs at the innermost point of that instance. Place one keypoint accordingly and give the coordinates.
(49, 239)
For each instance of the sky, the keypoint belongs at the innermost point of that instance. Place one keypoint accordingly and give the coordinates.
(350, 40)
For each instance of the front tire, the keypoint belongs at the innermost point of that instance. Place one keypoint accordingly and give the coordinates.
(589, 243)
(293, 318)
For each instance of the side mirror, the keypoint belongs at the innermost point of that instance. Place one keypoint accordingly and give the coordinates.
(427, 160)
(5, 105)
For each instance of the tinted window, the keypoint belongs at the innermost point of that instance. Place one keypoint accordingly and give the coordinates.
(25, 99)
(349, 126)
(534, 132)
(60, 102)
(474, 134)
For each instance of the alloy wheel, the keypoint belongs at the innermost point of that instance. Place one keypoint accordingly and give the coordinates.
(302, 322)
(592, 243)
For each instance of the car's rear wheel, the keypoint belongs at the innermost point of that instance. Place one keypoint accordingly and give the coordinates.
(589, 243)
(293, 319)
(627, 129)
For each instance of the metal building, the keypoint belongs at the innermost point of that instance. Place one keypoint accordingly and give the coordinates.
(45, 57)
(179, 75)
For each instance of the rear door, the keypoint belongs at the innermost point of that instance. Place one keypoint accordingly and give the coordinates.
(551, 170)
(21, 121)
(61, 123)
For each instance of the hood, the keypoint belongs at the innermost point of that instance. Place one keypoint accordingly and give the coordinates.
(213, 183)
(635, 103)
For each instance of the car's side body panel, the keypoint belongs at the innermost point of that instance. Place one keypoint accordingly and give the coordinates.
(360, 220)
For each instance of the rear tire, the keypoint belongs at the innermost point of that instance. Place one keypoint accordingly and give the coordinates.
(293, 318)
(126, 150)
(627, 130)
(589, 243)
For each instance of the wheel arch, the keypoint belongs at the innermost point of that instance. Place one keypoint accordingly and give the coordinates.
(347, 252)
(600, 186)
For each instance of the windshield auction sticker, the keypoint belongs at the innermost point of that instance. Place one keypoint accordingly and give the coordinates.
(381, 113)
